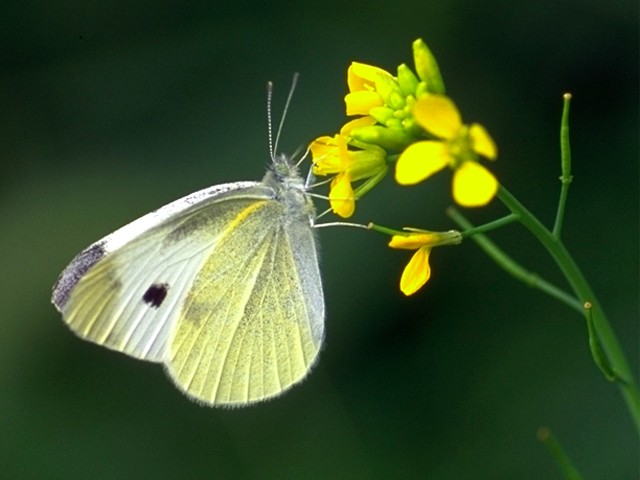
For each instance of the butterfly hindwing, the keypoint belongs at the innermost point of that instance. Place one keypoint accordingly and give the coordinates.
(266, 327)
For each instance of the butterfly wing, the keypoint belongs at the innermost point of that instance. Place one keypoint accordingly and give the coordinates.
(124, 291)
(266, 325)
(221, 286)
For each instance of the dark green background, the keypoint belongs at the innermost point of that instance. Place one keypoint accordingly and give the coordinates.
(110, 109)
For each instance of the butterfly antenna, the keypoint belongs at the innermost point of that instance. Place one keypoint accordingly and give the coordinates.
(294, 82)
(269, 120)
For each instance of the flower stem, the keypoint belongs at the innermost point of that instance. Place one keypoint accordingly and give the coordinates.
(583, 291)
(507, 263)
(470, 230)
(569, 471)
(566, 177)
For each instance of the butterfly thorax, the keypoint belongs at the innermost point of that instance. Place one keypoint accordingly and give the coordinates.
(289, 187)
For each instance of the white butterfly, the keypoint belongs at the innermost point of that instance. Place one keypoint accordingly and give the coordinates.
(221, 286)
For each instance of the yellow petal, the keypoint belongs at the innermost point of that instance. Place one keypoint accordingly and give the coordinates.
(416, 273)
(361, 103)
(483, 144)
(341, 196)
(420, 161)
(438, 115)
(330, 155)
(413, 241)
(473, 185)
(326, 156)
(322, 146)
(361, 76)
(357, 123)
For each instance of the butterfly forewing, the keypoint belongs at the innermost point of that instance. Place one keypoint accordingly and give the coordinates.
(125, 291)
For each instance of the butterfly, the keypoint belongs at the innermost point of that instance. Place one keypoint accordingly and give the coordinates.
(222, 287)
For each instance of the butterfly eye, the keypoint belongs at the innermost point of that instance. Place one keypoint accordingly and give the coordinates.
(155, 294)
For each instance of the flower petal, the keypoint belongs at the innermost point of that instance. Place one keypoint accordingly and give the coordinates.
(416, 273)
(361, 76)
(483, 144)
(413, 241)
(438, 115)
(341, 196)
(357, 123)
(326, 156)
(322, 146)
(473, 185)
(421, 160)
(360, 103)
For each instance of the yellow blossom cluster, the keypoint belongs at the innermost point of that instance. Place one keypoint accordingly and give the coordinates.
(404, 122)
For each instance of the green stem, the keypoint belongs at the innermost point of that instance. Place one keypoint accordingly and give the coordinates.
(566, 177)
(585, 294)
(569, 471)
(471, 230)
(512, 267)
(596, 348)
(384, 230)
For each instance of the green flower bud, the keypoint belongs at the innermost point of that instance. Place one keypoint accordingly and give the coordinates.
(391, 139)
(407, 80)
(381, 114)
(388, 89)
(427, 67)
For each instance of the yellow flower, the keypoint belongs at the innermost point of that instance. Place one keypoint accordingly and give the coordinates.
(363, 92)
(417, 272)
(386, 101)
(331, 156)
(459, 148)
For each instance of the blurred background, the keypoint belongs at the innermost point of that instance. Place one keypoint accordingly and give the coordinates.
(111, 109)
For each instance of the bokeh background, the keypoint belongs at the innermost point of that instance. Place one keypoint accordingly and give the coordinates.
(111, 109)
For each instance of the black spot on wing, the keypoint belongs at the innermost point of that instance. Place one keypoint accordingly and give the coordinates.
(74, 272)
(155, 294)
